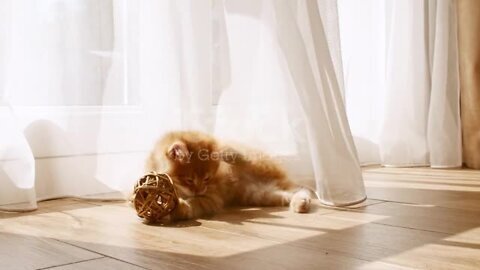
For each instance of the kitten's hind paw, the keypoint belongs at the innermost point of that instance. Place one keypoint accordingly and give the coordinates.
(300, 202)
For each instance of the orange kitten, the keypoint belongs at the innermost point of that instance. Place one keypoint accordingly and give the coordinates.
(209, 176)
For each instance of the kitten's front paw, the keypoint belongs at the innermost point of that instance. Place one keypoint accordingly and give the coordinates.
(300, 203)
(182, 211)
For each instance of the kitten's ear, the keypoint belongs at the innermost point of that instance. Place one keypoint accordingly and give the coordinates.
(178, 151)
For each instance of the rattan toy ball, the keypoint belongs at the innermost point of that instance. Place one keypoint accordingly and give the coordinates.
(154, 196)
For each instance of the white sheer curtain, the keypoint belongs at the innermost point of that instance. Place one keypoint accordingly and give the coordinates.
(264, 73)
(17, 167)
(402, 90)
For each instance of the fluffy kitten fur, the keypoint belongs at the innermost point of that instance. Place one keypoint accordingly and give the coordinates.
(209, 176)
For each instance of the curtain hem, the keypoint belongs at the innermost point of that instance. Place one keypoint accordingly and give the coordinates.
(342, 204)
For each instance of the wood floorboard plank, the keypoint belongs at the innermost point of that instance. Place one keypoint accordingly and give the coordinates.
(102, 263)
(457, 189)
(50, 206)
(27, 252)
(423, 217)
(451, 237)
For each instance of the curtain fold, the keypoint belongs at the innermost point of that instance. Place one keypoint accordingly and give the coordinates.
(17, 166)
(337, 171)
(444, 123)
(422, 123)
(469, 54)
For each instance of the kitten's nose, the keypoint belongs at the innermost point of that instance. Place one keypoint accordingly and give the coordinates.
(201, 192)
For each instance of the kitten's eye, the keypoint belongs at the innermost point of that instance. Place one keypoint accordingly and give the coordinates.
(188, 180)
(206, 179)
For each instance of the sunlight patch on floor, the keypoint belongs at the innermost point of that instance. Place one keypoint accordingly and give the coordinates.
(471, 236)
(425, 256)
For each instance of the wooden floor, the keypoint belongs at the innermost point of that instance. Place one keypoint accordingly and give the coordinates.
(414, 218)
